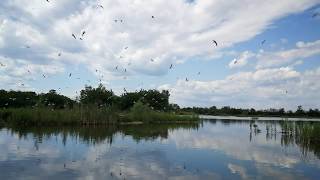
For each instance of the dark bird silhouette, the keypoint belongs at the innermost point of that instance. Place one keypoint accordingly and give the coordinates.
(70, 75)
(124, 89)
(115, 21)
(235, 61)
(47, 0)
(28, 47)
(1, 64)
(29, 72)
(215, 42)
(152, 60)
(116, 67)
(83, 33)
(315, 15)
(125, 70)
(81, 39)
(100, 6)
(262, 42)
(44, 76)
(198, 73)
(22, 84)
(126, 47)
(171, 66)
(187, 79)
(152, 17)
(59, 54)
(74, 36)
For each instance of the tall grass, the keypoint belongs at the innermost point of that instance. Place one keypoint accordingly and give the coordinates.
(143, 113)
(87, 115)
(45, 116)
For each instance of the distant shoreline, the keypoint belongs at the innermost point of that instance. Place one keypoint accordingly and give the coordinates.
(257, 118)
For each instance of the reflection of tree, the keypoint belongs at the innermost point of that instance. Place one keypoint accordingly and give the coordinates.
(94, 135)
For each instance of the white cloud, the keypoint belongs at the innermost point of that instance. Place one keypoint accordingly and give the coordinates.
(180, 30)
(242, 61)
(275, 59)
(263, 88)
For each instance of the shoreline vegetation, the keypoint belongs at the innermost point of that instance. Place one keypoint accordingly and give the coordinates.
(94, 106)
(99, 106)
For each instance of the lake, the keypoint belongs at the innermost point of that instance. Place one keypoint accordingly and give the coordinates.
(211, 149)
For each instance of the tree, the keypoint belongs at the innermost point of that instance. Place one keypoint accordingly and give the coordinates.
(99, 96)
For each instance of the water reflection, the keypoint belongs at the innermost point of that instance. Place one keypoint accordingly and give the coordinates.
(209, 150)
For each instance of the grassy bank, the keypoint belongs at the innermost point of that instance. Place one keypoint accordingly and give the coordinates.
(89, 115)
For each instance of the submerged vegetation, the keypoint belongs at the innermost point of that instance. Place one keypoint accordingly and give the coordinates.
(94, 106)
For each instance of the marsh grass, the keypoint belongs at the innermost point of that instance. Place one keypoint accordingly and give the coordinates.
(87, 115)
(46, 116)
(143, 113)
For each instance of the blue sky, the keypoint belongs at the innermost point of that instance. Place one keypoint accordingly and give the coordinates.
(240, 71)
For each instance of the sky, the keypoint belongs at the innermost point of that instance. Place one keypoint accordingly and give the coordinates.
(267, 53)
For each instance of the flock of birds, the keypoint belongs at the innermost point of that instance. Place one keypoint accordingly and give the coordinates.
(83, 33)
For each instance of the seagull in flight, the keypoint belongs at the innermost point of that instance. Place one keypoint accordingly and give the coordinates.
(152, 17)
(44, 76)
(74, 36)
(315, 15)
(171, 66)
(152, 60)
(48, 1)
(70, 75)
(187, 79)
(215, 42)
(235, 61)
(262, 42)
(83, 33)
(100, 6)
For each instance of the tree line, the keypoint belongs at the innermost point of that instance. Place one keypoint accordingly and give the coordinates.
(227, 110)
(101, 97)
(89, 96)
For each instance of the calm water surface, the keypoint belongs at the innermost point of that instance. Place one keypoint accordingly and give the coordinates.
(209, 150)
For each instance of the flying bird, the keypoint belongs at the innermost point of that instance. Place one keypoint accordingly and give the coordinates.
(47, 0)
(116, 67)
(262, 42)
(315, 15)
(28, 47)
(74, 36)
(70, 75)
(59, 54)
(187, 79)
(126, 47)
(100, 6)
(152, 60)
(215, 42)
(198, 73)
(83, 33)
(2, 64)
(152, 17)
(171, 66)
(44, 76)
(235, 61)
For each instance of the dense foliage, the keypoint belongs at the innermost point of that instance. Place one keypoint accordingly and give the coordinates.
(300, 112)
